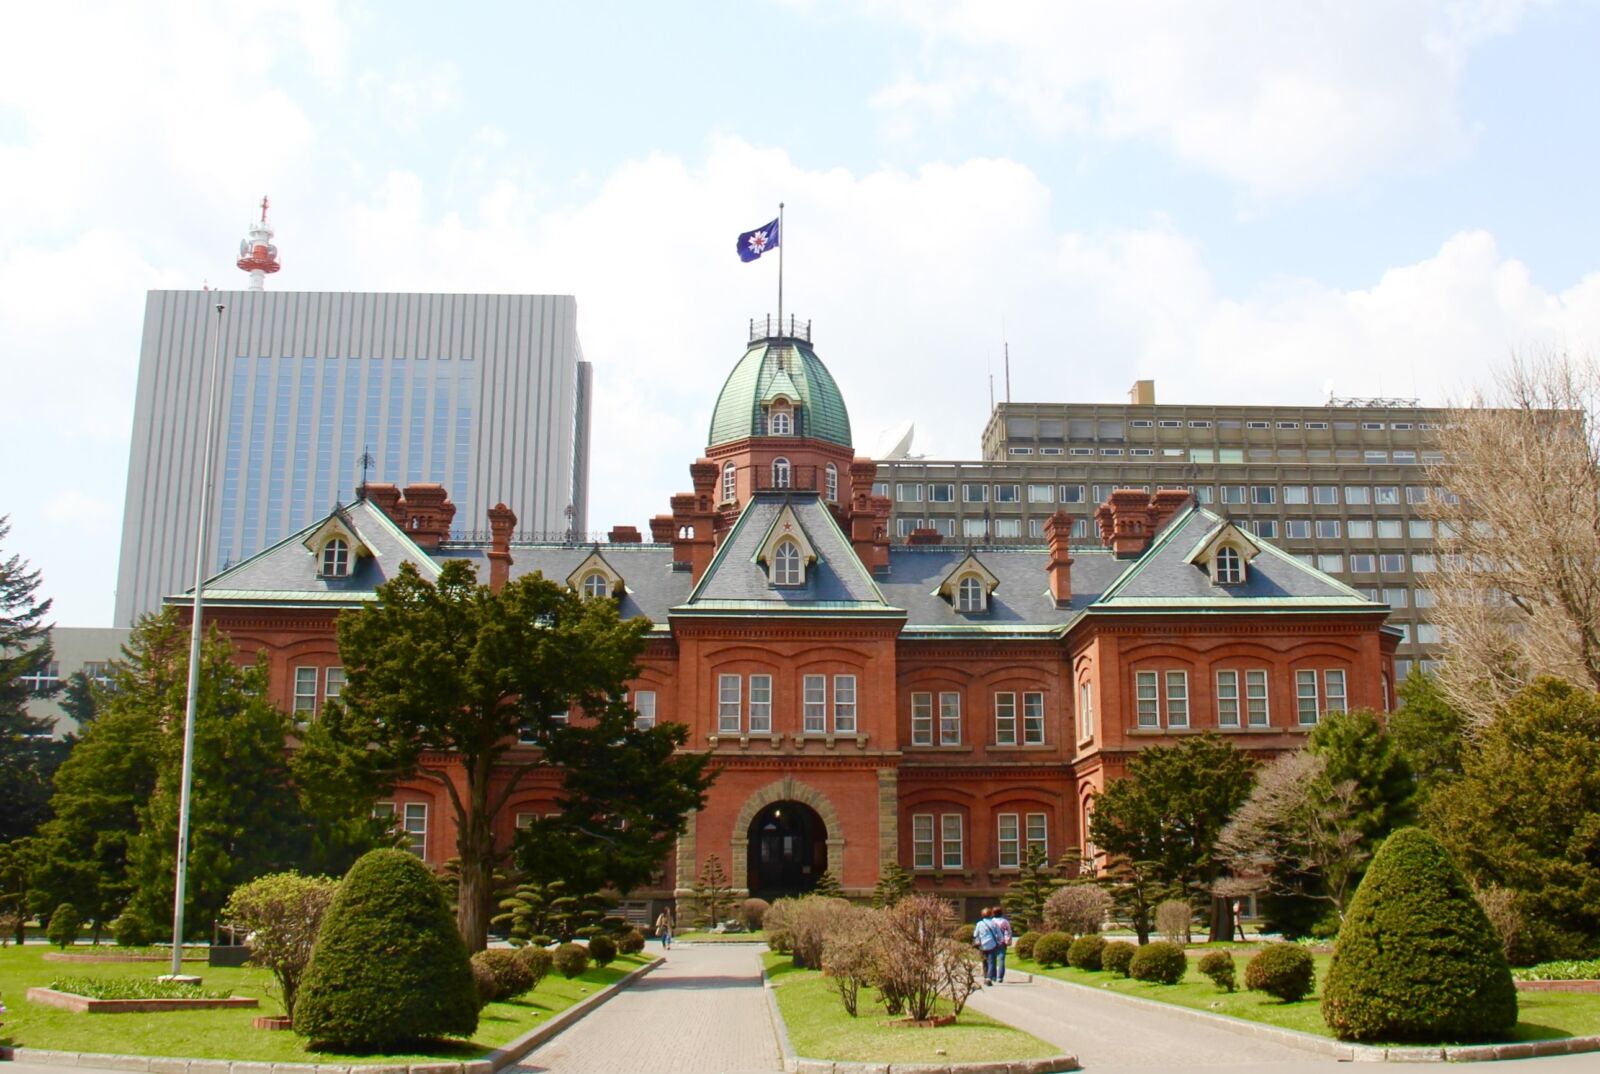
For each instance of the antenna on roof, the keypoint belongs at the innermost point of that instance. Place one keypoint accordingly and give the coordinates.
(367, 462)
(1008, 373)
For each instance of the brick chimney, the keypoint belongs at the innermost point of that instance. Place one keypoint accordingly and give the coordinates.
(502, 520)
(925, 536)
(1124, 521)
(625, 535)
(1057, 530)
(429, 513)
(387, 500)
(1164, 504)
(661, 529)
(869, 517)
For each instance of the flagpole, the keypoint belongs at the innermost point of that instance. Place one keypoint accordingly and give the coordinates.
(780, 269)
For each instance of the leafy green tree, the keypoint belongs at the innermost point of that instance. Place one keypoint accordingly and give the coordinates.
(1523, 816)
(28, 756)
(452, 665)
(540, 913)
(1430, 732)
(80, 699)
(1024, 900)
(17, 863)
(1167, 812)
(282, 913)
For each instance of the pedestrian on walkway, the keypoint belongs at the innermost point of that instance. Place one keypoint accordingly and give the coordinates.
(1002, 925)
(1238, 918)
(664, 925)
(986, 938)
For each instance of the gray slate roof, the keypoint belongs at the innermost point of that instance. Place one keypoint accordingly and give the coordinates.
(650, 585)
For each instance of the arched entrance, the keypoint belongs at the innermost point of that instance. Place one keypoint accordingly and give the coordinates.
(788, 850)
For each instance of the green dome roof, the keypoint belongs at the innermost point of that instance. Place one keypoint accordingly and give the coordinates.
(762, 375)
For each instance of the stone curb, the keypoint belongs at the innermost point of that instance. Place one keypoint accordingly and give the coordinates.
(795, 1064)
(1359, 1053)
(504, 1056)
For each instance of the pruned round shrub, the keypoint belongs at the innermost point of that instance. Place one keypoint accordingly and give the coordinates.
(603, 950)
(1158, 961)
(62, 929)
(133, 929)
(963, 933)
(1174, 917)
(538, 962)
(389, 965)
(752, 912)
(282, 914)
(1084, 954)
(1116, 956)
(511, 975)
(1284, 970)
(1077, 909)
(483, 980)
(1218, 965)
(571, 959)
(631, 942)
(1052, 949)
(1024, 945)
(812, 917)
(1417, 958)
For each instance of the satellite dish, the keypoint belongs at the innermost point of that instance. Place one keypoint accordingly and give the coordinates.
(895, 442)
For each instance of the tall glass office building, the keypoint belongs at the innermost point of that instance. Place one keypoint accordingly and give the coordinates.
(479, 393)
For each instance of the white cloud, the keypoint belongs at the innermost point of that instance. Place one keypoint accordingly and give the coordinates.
(1278, 98)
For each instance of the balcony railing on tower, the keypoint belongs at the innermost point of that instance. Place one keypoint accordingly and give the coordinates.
(770, 327)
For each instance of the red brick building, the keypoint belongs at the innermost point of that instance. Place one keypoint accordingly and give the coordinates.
(941, 705)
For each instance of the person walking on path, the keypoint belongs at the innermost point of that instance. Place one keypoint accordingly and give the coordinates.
(664, 928)
(1002, 926)
(986, 938)
(1238, 919)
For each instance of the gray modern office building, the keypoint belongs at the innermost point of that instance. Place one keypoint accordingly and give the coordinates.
(1337, 485)
(321, 391)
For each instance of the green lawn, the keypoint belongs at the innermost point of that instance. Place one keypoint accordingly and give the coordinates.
(1541, 1015)
(700, 936)
(227, 1034)
(819, 1028)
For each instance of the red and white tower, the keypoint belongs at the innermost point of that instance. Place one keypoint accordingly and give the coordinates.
(257, 255)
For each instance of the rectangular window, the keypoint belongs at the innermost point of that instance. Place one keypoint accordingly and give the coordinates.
(1424, 598)
(1417, 494)
(1035, 528)
(950, 840)
(1316, 425)
(1372, 425)
(815, 717)
(1148, 690)
(1255, 696)
(730, 689)
(305, 689)
(1049, 451)
(1008, 841)
(1288, 425)
(1080, 451)
(1405, 458)
(1007, 493)
(1296, 494)
(908, 492)
(333, 683)
(1263, 494)
(1038, 833)
(1199, 425)
(941, 493)
(1232, 493)
(414, 823)
(1033, 719)
(1227, 699)
(949, 718)
(1071, 493)
(1392, 563)
(1325, 494)
(1202, 455)
(906, 526)
(1111, 451)
(1258, 425)
(1177, 699)
(1388, 529)
(921, 719)
(1005, 719)
(1305, 695)
(1375, 456)
(1327, 528)
(1363, 563)
(1330, 563)
(974, 527)
(844, 704)
(1266, 527)
(1169, 424)
(1386, 494)
(1333, 683)
(1142, 452)
(1019, 451)
(1141, 423)
(760, 704)
(972, 493)
(1357, 494)
(1008, 527)
(1085, 711)
(1360, 529)
(1428, 633)
(644, 704)
(922, 841)
(1420, 528)
(944, 527)
(1041, 494)
(1298, 529)
(1422, 562)
(1397, 597)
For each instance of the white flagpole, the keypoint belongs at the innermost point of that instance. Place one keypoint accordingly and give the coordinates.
(781, 244)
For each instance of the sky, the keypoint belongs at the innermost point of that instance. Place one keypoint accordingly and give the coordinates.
(1244, 202)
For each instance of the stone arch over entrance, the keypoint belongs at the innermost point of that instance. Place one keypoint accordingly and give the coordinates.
(787, 789)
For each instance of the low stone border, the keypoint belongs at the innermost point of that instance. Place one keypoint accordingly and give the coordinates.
(796, 1064)
(1558, 986)
(504, 1056)
(1366, 1053)
(72, 1001)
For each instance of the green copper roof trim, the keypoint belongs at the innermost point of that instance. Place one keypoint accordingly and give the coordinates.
(758, 377)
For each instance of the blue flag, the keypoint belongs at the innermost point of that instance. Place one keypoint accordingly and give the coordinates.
(752, 244)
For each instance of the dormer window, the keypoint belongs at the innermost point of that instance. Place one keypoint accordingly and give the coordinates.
(780, 473)
(729, 485)
(335, 558)
(1227, 568)
(595, 578)
(968, 586)
(786, 564)
(969, 595)
(595, 586)
(780, 422)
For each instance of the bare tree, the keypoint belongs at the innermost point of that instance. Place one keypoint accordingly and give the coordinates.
(1518, 586)
(1296, 824)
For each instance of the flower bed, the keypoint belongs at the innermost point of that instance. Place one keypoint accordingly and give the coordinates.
(82, 1004)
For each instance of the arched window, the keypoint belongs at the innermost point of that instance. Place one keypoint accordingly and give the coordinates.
(1229, 567)
(728, 485)
(779, 422)
(786, 564)
(335, 559)
(832, 478)
(780, 473)
(595, 585)
(969, 595)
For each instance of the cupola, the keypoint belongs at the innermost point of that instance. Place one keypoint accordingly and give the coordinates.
(780, 388)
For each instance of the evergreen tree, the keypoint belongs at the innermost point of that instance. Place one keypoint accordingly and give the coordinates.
(28, 756)
(1024, 899)
(710, 893)
(80, 699)
(894, 884)
(828, 886)
(1430, 732)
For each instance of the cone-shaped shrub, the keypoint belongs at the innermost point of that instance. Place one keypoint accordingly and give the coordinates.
(389, 965)
(1417, 959)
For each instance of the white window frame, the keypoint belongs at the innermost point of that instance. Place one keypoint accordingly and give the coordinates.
(335, 558)
(922, 718)
(1005, 718)
(1256, 690)
(1228, 714)
(969, 594)
(414, 823)
(922, 841)
(595, 585)
(949, 718)
(844, 704)
(1307, 702)
(814, 704)
(1147, 699)
(730, 483)
(952, 841)
(333, 681)
(1036, 832)
(1008, 847)
(760, 704)
(1085, 711)
(1177, 699)
(305, 689)
(830, 476)
(730, 704)
(1228, 565)
(1334, 690)
(644, 707)
(1033, 718)
(786, 564)
(780, 473)
(780, 422)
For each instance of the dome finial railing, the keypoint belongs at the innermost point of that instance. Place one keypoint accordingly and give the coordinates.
(770, 327)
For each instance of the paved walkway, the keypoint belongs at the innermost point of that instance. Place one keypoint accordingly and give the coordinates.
(704, 1011)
